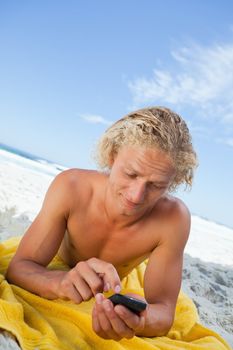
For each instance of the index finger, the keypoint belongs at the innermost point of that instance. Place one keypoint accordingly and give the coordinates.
(110, 275)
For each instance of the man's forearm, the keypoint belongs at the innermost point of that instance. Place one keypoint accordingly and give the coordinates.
(34, 278)
(158, 321)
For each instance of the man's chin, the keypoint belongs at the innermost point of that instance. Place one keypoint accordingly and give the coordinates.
(130, 208)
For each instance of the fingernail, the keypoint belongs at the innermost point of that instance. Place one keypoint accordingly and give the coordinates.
(106, 287)
(117, 289)
(98, 298)
(107, 305)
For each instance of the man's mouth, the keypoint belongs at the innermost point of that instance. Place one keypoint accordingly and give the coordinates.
(130, 204)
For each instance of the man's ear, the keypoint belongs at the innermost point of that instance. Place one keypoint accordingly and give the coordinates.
(111, 159)
(110, 162)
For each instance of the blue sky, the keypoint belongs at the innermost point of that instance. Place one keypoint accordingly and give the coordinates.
(70, 68)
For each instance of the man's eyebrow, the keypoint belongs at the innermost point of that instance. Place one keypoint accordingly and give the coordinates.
(165, 183)
(130, 168)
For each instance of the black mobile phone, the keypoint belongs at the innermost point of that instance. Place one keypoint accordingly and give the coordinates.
(132, 304)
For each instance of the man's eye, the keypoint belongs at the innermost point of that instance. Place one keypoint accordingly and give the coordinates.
(131, 175)
(154, 186)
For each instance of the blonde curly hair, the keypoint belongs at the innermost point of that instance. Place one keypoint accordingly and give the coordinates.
(157, 127)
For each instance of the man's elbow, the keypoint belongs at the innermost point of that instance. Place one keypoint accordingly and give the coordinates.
(14, 271)
(157, 326)
(10, 275)
(165, 327)
(162, 326)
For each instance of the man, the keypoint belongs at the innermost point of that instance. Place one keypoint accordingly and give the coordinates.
(103, 224)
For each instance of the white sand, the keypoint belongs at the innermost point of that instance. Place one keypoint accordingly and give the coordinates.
(208, 262)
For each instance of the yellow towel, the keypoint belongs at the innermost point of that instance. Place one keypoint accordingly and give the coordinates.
(43, 324)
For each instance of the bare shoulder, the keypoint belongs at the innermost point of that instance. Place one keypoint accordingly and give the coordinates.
(174, 207)
(78, 184)
(74, 176)
(175, 221)
(74, 179)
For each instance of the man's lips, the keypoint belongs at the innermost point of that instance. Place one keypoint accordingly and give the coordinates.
(129, 203)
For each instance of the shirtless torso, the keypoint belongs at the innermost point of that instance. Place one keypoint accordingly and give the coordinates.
(88, 233)
(103, 225)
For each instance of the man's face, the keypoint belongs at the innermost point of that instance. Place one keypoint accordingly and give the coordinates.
(139, 177)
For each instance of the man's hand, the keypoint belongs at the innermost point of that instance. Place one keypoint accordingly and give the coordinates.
(87, 279)
(116, 322)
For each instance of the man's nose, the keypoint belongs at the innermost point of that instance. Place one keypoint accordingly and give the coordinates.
(136, 193)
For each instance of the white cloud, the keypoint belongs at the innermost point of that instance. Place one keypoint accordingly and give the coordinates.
(201, 77)
(229, 142)
(226, 141)
(95, 119)
(200, 131)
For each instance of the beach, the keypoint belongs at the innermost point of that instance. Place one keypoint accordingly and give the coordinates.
(208, 259)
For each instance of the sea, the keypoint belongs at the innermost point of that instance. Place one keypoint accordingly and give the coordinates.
(35, 162)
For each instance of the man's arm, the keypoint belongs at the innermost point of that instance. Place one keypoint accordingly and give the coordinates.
(162, 282)
(163, 275)
(41, 242)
